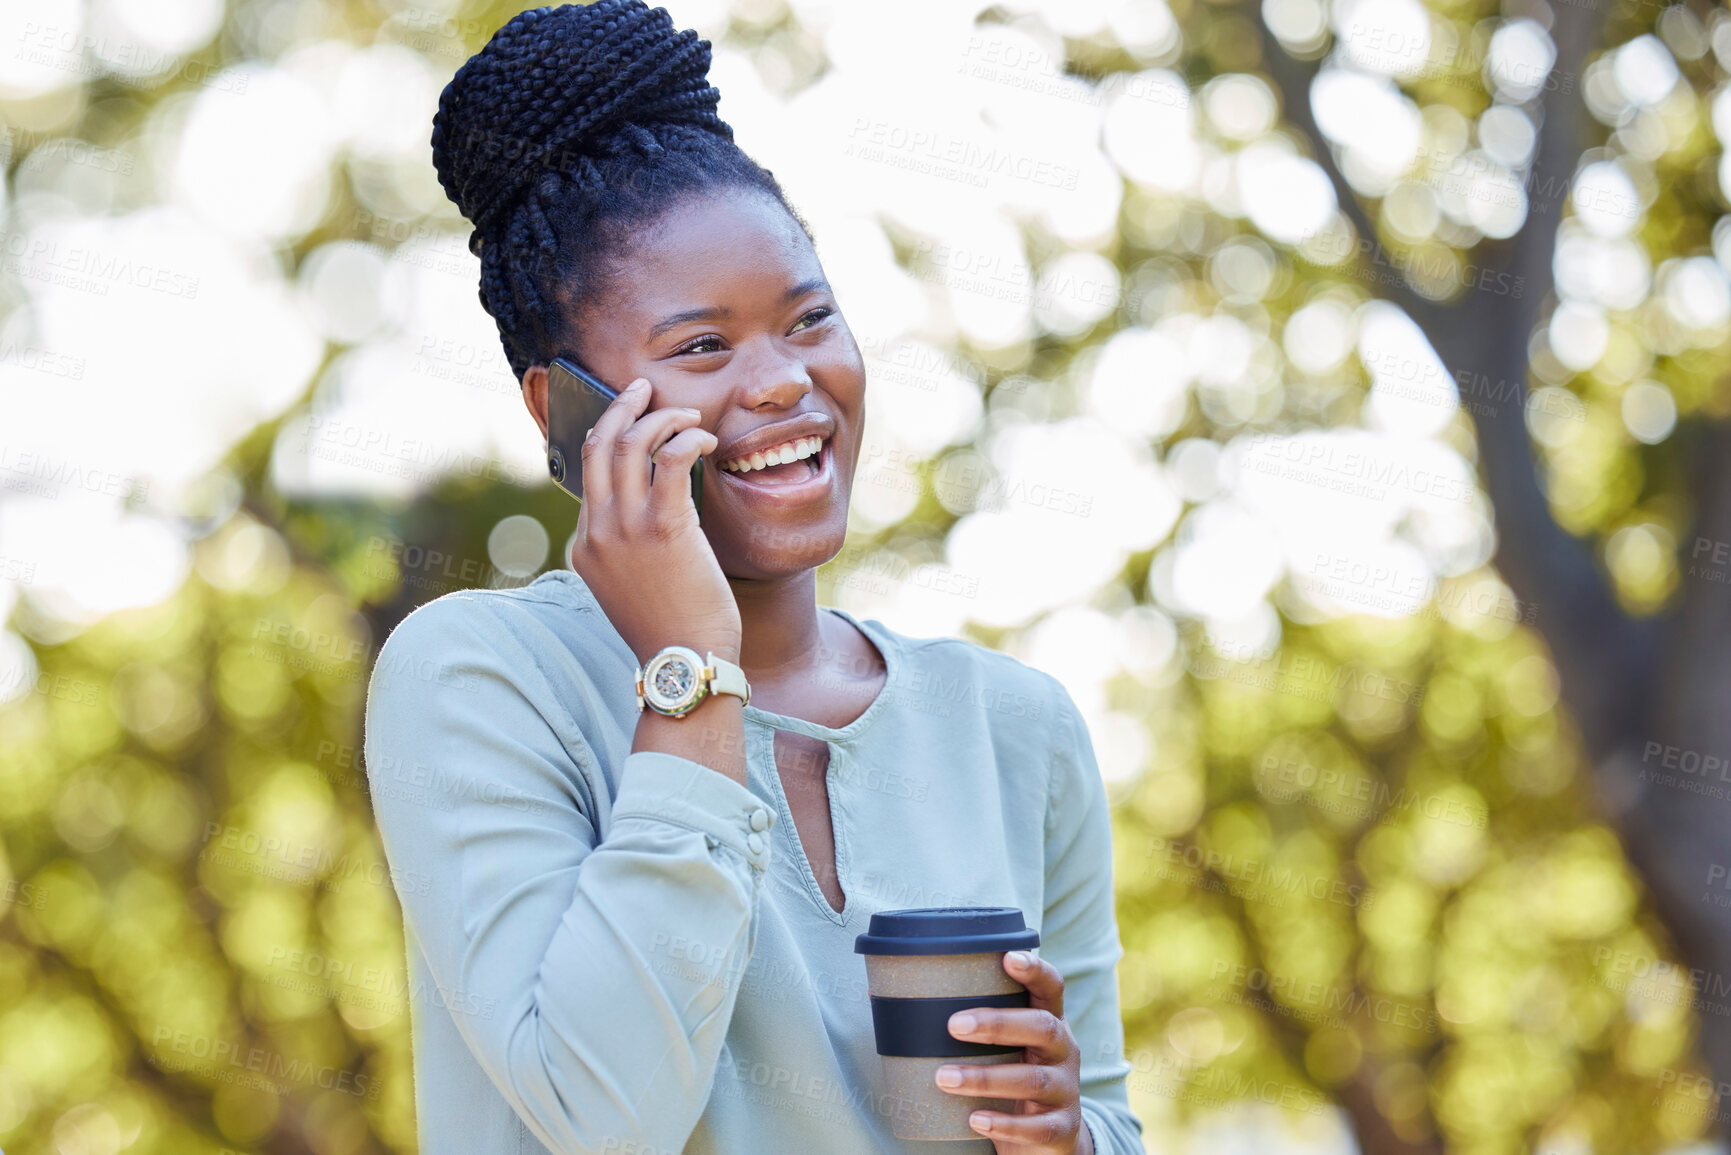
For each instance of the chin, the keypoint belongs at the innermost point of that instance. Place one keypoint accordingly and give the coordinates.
(787, 549)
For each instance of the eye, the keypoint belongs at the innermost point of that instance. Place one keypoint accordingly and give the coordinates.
(697, 345)
(820, 313)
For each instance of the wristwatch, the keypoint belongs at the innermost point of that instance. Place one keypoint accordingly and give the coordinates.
(677, 679)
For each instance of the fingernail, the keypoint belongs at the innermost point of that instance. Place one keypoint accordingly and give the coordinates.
(980, 1121)
(640, 383)
(962, 1023)
(1019, 958)
(949, 1076)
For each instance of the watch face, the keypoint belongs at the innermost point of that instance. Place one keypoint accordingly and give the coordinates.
(674, 680)
(670, 680)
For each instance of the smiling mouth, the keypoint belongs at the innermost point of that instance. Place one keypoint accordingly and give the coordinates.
(807, 475)
(806, 447)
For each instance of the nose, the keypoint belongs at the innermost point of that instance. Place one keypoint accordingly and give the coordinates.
(778, 377)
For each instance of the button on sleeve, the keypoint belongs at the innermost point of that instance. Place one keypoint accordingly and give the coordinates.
(658, 787)
(556, 938)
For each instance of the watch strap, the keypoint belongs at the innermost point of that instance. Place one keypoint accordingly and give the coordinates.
(728, 678)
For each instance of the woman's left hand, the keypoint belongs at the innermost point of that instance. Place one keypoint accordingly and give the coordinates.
(1048, 1118)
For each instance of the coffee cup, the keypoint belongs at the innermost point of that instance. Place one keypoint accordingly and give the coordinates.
(922, 966)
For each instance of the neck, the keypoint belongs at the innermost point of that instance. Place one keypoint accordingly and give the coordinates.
(781, 633)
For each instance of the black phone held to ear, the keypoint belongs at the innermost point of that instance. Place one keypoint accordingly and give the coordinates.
(576, 399)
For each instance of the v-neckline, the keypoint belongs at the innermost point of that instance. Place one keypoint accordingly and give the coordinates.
(840, 848)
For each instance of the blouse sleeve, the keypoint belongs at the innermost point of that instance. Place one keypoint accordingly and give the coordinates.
(1079, 934)
(597, 1040)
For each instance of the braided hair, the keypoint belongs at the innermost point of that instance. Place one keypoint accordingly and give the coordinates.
(571, 128)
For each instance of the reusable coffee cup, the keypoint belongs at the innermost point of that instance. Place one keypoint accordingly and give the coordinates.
(922, 966)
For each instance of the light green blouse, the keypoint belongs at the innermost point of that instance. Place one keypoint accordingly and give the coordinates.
(618, 952)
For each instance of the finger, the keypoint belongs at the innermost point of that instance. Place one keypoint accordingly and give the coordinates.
(1041, 1082)
(1038, 1030)
(678, 419)
(670, 487)
(642, 441)
(598, 452)
(640, 452)
(642, 430)
(1043, 1130)
(1044, 981)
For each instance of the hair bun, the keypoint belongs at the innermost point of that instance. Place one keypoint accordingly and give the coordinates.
(557, 85)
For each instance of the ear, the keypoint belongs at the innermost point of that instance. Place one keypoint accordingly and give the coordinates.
(535, 395)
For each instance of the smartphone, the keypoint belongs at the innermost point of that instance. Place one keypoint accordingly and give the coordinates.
(576, 398)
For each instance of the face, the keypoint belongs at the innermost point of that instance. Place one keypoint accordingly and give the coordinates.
(724, 307)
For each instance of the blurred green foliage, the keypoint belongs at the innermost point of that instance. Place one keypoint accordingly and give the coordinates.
(1371, 871)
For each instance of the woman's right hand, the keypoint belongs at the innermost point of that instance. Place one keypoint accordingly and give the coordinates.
(640, 548)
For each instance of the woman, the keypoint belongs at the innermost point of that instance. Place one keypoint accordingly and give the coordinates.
(634, 931)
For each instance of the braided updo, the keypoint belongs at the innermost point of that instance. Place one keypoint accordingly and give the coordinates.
(571, 127)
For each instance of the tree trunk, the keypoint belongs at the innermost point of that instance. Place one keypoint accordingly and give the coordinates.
(1642, 692)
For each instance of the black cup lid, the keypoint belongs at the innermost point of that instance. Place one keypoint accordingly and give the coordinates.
(946, 930)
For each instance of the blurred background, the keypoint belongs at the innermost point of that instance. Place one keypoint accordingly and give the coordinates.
(1331, 393)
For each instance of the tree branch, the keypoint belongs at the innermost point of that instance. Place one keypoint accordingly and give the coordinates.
(1375, 1133)
(1606, 654)
(1293, 80)
(1674, 822)
(1483, 337)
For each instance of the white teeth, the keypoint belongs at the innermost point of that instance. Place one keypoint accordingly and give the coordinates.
(775, 455)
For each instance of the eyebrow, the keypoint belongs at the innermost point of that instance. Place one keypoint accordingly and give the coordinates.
(721, 311)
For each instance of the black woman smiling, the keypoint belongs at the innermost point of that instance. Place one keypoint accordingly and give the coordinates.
(633, 921)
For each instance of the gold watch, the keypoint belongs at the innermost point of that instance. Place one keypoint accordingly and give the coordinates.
(676, 679)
